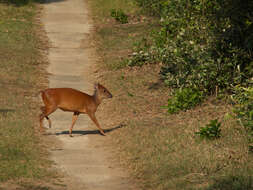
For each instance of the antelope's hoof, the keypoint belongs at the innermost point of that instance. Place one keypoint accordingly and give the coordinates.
(102, 133)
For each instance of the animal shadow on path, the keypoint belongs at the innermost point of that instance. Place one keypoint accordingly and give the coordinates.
(87, 132)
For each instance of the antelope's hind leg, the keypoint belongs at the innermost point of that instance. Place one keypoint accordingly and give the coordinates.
(45, 112)
(74, 118)
(49, 121)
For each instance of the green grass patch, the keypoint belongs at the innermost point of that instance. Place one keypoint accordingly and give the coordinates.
(22, 156)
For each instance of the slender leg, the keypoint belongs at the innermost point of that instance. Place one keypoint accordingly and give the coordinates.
(41, 122)
(93, 118)
(49, 121)
(42, 115)
(45, 112)
(74, 118)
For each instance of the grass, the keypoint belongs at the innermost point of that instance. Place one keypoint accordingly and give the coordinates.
(22, 152)
(101, 9)
(115, 49)
(114, 40)
(162, 151)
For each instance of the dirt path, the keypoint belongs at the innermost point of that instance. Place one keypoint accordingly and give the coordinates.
(82, 158)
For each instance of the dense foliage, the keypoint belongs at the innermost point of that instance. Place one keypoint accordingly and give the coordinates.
(119, 16)
(243, 99)
(203, 44)
(152, 7)
(184, 99)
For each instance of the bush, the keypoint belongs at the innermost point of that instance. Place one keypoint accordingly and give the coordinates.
(204, 48)
(142, 53)
(203, 44)
(152, 7)
(119, 15)
(138, 59)
(211, 130)
(184, 99)
(243, 99)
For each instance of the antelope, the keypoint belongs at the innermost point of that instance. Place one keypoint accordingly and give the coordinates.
(71, 100)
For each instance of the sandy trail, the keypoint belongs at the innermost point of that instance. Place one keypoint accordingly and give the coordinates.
(82, 158)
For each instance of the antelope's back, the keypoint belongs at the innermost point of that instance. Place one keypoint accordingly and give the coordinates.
(69, 99)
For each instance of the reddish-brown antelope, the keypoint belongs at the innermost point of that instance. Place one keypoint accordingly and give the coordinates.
(68, 99)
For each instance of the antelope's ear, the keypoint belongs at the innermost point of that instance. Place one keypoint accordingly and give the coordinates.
(96, 85)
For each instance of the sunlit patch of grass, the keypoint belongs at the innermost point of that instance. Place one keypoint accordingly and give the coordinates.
(21, 152)
(20, 155)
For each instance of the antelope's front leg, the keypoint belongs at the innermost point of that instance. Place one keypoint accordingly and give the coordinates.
(94, 119)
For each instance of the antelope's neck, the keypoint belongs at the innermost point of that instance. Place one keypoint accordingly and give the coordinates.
(96, 98)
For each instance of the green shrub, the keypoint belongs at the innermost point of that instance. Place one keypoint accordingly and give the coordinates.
(184, 99)
(243, 99)
(138, 59)
(152, 7)
(142, 53)
(119, 15)
(204, 44)
(211, 130)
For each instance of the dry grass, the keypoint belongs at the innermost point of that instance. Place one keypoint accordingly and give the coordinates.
(163, 149)
(160, 150)
(114, 41)
(24, 160)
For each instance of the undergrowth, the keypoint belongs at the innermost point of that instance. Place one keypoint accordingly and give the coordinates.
(184, 99)
(204, 45)
(243, 100)
(119, 15)
(211, 130)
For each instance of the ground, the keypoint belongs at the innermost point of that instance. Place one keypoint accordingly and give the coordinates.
(83, 159)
